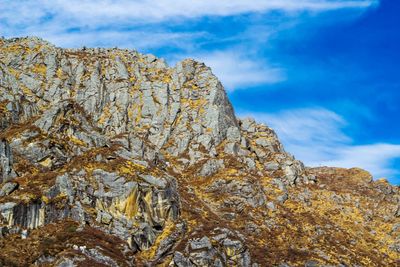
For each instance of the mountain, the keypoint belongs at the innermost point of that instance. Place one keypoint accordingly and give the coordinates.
(109, 157)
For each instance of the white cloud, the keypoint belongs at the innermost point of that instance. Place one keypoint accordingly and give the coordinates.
(145, 25)
(166, 9)
(235, 69)
(128, 39)
(90, 12)
(317, 125)
(25, 17)
(316, 136)
(375, 158)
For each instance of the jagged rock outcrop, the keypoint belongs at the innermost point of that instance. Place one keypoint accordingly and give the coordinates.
(112, 158)
(6, 162)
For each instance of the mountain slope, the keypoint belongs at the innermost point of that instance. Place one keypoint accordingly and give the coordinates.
(111, 158)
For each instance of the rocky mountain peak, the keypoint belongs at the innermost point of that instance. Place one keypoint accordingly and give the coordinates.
(109, 156)
(124, 95)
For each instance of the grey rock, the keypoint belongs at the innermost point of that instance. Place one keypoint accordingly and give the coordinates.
(66, 263)
(8, 188)
(251, 164)
(264, 143)
(247, 192)
(24, 234)
(271, 206)
(231, 148)
(271, 166)
(64, 185)
(144, 238)
(311, 263)
(100, 258)
(106, 218)
(121, 69)
(167, 244)
(30, 83)
(248, 125)
(7, 206)
(280, 184)
(203, 243)
(291, 174)
(159, 182)
(211, 166)
(180, 260)
(233, 134)
(6, 162)
(282, 198)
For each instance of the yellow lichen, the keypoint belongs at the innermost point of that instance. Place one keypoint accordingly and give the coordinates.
(14, 72)
(130, 168)
(149, 254)
(45, 199)
(127, 207)
(46, 163)
(39, 69)
(59, 73)
(77, 141)
(106, 115)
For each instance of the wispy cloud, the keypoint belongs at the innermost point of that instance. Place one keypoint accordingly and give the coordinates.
(48, 18)
(167, 9)
(88, 12)
(237, 69)
(317, 137)
(375, 158)
(140, 40)
(171, 25)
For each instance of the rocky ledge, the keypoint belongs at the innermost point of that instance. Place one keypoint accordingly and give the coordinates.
(109, 157)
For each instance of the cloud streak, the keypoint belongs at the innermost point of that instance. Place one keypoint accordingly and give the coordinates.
(164, 24)
(105, 11)
(167, 9)
(138, 39)
(317, 137)
(236, 69)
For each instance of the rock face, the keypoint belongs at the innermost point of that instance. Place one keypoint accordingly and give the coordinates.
(6, 162)
(111, 158)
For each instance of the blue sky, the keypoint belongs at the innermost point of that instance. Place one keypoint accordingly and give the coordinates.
(323, 73)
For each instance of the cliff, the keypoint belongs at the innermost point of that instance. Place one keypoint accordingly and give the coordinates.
(109, 157)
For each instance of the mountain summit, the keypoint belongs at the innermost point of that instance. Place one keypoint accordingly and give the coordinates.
(109, 157)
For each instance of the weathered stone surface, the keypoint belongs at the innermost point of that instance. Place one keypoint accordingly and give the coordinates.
(239, 193)
(220, 250)
(6, 162)
(8, 188)
(211, 167)
(112, 158)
